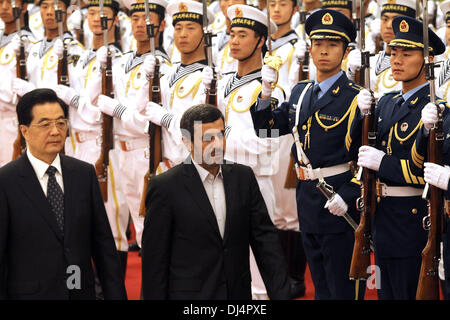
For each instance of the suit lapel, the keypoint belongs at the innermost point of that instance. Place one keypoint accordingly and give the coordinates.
(229, 181)
(195, 187)
(33, 190)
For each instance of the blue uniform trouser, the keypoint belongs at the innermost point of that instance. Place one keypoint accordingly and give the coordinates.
(329, 257)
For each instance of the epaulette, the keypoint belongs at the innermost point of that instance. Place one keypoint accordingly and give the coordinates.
(355, 86)
(394, 92)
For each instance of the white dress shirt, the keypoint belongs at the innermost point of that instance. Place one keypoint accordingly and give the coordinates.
(40, 168)
(216, 194)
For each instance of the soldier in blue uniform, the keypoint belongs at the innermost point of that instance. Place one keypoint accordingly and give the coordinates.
(318, 114)
(397, 226)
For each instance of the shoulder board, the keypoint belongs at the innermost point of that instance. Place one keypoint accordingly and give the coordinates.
(131, 51)
(305, 81)
(441, 101)
(227, 73)
(76, 42)
(293, 41)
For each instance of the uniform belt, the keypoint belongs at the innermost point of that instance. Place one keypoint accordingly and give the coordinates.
(304, 173)
(133, 144)
(83, 136)
(384, 190)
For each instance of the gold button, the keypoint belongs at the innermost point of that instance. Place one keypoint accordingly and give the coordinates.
(378, 199)
(414, 211)
(383, 143)
(304, 127)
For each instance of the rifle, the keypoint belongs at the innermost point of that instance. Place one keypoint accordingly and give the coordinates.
(63, 74)
(107, 140)
(154, 131)
(428, 286)
(367, 202)
(290, 181)
(19, 144)
(80, 32)
(358, 22)
(211, 93)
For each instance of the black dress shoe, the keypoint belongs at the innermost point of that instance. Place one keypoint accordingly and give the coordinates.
(297, 289)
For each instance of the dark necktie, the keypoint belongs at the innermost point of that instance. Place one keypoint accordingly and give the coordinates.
(397, 105)
(314, 96)
(55, 197)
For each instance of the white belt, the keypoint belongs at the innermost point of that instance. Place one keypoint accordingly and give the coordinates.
(133, 144)
(384, 190)
(83, 136)
(304, 173)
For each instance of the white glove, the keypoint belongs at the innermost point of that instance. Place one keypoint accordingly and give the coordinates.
(436, 175)
(364, 100)
(269, 76)
(149, 65)
(58, 48)
(75, 19)
(207, 77)
(65, 93)
(429, 115)
(22, 87)
(370, 157)
(109, 106)
(375, 28)
(354, 60)
(157, 114)
(15, 43)
(300, 49)
(337, 206)
(102, 55)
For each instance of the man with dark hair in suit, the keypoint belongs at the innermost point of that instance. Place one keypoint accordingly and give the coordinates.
(202, 216)
(53, 224)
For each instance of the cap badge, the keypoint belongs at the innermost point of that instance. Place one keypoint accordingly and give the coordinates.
(327, 19)
(182, 7)
(404, 26)
(238, 12)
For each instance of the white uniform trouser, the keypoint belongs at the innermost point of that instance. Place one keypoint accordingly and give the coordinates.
(285, 215)
(116, 206)
(8, 134)
(133, 166)
(258, 288)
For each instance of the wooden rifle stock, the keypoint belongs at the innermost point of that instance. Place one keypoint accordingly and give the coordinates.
(428, 286)
(107, 139)
(211, 93)
(155, 145)
(19, 144)
(80, 35)
(367, 204)
(378, 44)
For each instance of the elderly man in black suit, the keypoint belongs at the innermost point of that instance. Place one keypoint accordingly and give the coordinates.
(53, 224)
(202, 216)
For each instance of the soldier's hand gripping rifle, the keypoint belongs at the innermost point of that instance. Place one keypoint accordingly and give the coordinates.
(211, 92)
(428, 286)
(63, 73)
(154, 131)
(107, 139)
(21, 72)
(367, 202)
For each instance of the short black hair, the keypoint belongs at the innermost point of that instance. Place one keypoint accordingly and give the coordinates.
(35, 97)
(204, 113)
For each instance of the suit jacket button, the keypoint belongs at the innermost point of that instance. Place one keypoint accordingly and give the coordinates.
(414, 211)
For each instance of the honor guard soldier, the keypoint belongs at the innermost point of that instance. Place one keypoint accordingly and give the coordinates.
(11, 40)
(43, 56)
(84, 115)
(397, 226)
(285, 213)
(318, 114)
(131, 92)
(181, 85)
(381, 77)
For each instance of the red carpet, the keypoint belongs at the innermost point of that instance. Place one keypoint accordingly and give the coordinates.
(133, 281)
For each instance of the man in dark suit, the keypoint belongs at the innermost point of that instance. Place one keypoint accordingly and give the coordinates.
(53, 224)
(202, 216)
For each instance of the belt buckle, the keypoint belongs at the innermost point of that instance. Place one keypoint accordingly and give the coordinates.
(147, 153)
(381, 189)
